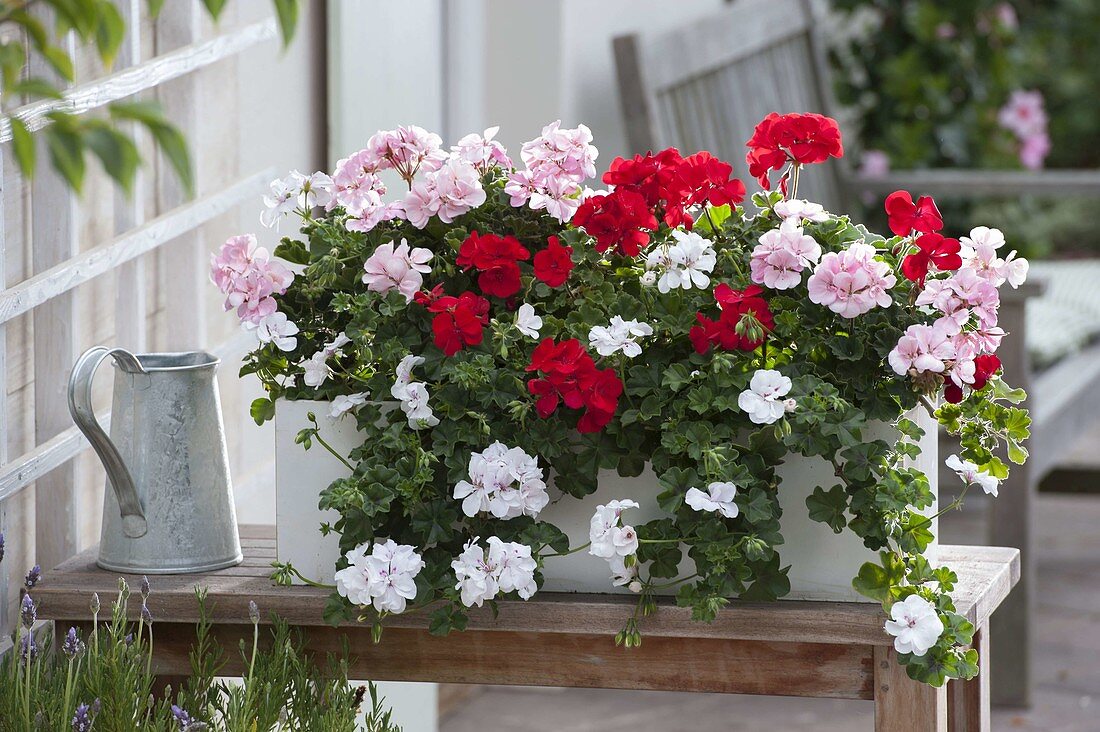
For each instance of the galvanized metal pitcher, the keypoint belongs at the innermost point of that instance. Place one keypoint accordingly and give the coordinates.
(171, 507)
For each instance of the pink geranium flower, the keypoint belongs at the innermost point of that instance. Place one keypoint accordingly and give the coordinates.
(397, 268)
(408, 150)
(482, 150)
(556, 164)
(248, 277)
(851, 282)
(778, 260)
(923, 349)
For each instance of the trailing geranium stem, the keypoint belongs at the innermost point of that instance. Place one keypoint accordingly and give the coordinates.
(321, 441)
(566, 553)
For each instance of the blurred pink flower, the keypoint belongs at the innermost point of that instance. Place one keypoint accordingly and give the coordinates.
(1034, 150)
(1024, 114)
(248, 277)
(874, 163)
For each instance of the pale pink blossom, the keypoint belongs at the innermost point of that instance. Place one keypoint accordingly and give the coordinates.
(778, 260)
(397, 268)
(448, 192)
(277, 329)
(874, 164)
(972, 475)
(1034, 150)
(555, 165)
(408, 150)
(384, 577)
(1006, 16)
(851, 282)
(922, 349)
(799, 209)
(763, 400)
(1024, 114)
(249, 278)
(357, 187)
(482, 150)
(962, 294)
(915, 625)
(719, 497)
(979, 252)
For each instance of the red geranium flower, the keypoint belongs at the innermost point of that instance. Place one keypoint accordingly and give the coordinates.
(743, 325)
(653, 176)
(459, 321)
(571, 376)
(905, 217)
(558, 358)
(552, 389)
(495, 257)
(796, 138)
(617, 221)
(708, 180)
(554, 263)
(931, 249)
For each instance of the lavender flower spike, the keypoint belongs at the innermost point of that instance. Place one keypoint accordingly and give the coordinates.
(84, 717)
(94, 605)
(1, 546)
(146, 615)
(28, 613)
(33, 576)
(253, 612)
(28, 648)
(72, 646)
(145, 587)
(182, 718)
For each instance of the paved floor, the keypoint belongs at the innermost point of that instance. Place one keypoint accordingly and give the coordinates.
(1067, 697)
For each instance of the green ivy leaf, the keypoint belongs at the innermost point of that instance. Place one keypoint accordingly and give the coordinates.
(447, 618)
(262, 410)
(828, 506)
(877, 581)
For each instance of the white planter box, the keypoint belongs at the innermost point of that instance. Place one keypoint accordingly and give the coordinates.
(822, 563)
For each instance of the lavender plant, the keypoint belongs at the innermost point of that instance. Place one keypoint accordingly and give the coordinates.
(104, 681)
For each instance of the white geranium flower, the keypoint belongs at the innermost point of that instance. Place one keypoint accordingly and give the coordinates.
(277, 329)
(506, 482)
(527, 322)
(609, 537)
(620, 335)
(385, 578)
(971, 475)
(504, 567)
(719, 497)
(685, 264)
(344, 403)
(476, 576)
(763, 401)
(415, 406)
(283, 199)
(801, 209)
(515, 567)
(316, 370)
(333, 347)
(915, 625)
(979, 252)
(648, 278)
(399, 390)
(622, 575)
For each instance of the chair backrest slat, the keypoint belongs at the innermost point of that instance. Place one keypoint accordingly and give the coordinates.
(705, 86)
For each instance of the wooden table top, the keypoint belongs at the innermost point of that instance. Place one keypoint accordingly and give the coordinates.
(986, 575)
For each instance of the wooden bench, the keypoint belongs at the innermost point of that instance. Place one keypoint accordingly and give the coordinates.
(704, 86)
(817, 649)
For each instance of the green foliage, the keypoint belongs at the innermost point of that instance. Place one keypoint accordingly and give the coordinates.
(70, 138)
(110, 671)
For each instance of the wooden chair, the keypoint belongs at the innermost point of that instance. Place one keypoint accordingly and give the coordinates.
(704, 87)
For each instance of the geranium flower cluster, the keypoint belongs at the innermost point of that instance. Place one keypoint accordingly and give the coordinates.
(958, 283)
(505, 482)
(556, 163)
(1025, 116)
(249, 278)
(743, 324)
(569, 375)
(501, 359)
(650, 188)
(484, 573)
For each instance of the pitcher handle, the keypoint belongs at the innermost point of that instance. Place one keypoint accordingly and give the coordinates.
(134, 524)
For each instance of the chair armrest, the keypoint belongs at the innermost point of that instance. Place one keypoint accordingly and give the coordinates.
(962, 183)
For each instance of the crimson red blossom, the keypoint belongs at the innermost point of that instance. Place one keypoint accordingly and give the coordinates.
(496, 258)
(618, 220)
(932, 249)
(569, 375)
(905, 217)
(780, 139)
(743, 324)
(554, 263)
(459, 321)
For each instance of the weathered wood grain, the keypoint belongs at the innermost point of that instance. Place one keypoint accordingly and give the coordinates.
(968, 701)
(986, 574)
(902, 704)
(142, 77)
(66, 275)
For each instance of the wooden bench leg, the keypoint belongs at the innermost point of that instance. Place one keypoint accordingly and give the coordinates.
(968, 701)
(904, 705)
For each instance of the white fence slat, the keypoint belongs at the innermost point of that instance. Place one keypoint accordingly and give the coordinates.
(62, 448)
(5, 570)
(87, 265)
(54, 229)
(130, 305)
(143, 77)
(180, 24)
